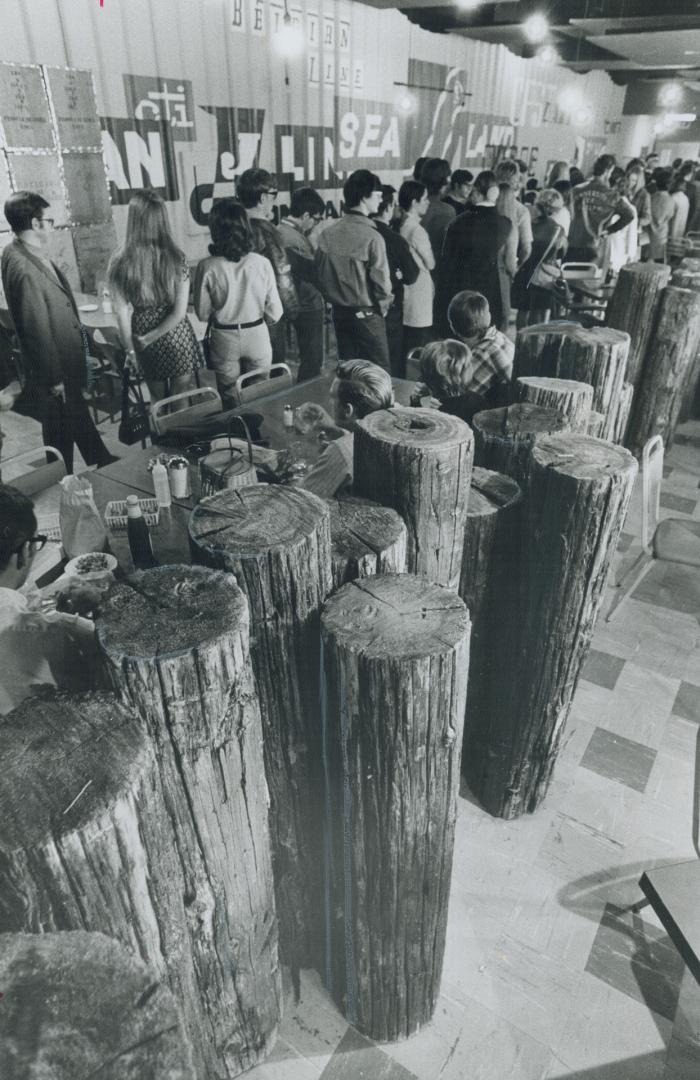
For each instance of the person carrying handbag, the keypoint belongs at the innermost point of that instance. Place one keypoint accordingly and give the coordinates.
(538, 286)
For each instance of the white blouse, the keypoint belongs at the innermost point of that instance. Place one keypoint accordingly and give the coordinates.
(239, 292)
(418, 297)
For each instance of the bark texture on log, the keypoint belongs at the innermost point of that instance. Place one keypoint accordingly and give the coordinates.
(419, 461)
(491, 551)
(80, 1005)
(504, 438)
(537, 348)
(579, 492)
(689, 279)
(633, 307)
(598, 356)
(276, 540)
(176, 643)
(366, 539)
(595, 424)
(86, 843)
(573, 399)
(396, 654)
(690, 264)
(667, 365)
(623, 413)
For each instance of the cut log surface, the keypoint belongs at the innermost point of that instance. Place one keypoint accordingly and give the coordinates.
(504, 438)
(537, 348)
(686, 279)
(366, 539)
(276, 540)
(667, 368)
(86, 843)
(633, 307)
(690, 264)
(491, 547)
(176, 643)
(597, 356)
(573, 399)
(396, 653)
(419, 462)
(78, 1005)
(595, 424)
(579, 492)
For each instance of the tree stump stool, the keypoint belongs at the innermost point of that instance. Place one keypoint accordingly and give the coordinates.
(579, 492)
(690, 264)
(667, 366)
(633, 307)
(686, 278)
(489, 569)
(176, 643)
(537, 348)
(366, 539)
(87, 843)
(276, 540)
(573, 399)
(622, 416)
(504, 438)
(598, 356)
(396, 654)
(419, 461)
(79, 1005)
(595, 424)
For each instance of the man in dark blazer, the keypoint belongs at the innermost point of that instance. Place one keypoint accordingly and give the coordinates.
(46, 320)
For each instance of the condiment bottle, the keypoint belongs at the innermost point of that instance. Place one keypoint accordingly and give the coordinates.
(138, 535)
(288, 416)
(161, 484)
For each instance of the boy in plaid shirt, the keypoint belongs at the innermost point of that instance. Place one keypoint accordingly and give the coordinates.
(469, 317)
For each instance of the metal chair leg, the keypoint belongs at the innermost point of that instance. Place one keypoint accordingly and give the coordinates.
(629, 582)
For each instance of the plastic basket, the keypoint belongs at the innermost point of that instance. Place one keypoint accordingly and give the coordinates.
(49, 525)
(116, 516)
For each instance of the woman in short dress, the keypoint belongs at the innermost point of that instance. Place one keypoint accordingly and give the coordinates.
(150, 282)
(236, 292)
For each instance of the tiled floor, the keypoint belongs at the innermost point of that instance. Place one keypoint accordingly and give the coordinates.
(547, 973)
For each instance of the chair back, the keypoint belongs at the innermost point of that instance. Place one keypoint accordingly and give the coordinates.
(652, 476)
(204, 401)
(259, 383)
(44, 476)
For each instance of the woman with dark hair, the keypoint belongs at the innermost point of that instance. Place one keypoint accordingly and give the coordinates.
(470, 253)
(662, 210)
(641, 201)
(235, 290)
(150, 282)
(560, 171)
(576, 176)
(533, 286)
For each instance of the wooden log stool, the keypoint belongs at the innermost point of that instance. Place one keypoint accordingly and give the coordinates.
(597, 356)
(504, 438)
(686, 278)
(633, 307)
(624, 408)
(276, 540)
(396, 653)
(667, 367)
(176, 643)
(87, 843)
(595, 424)
(537, 348)
(419, 461)
(366, 539)
(579, 492)
(80, 1005)
(489, 569)
(573, 399)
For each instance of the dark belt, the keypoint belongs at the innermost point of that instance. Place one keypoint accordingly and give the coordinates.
(237, 325)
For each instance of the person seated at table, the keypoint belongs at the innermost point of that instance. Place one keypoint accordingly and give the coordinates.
(235, 290)
(492, 352)
(359, 388)
(150, 281)
(447, 372)
(36, 650)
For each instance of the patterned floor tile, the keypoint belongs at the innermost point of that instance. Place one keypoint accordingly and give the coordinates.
(573, 850)
(312, 1026)
(489, 1047)
(357, 1058)
(670, 501)
(428, 1052)
(672, 586)
(625, 542)
(687, 703)
(619, 759)
(637, 959)
(602, 668)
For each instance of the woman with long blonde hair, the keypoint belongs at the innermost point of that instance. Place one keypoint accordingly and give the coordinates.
(150, 282)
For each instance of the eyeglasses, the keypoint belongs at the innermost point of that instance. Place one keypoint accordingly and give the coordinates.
(38, 542)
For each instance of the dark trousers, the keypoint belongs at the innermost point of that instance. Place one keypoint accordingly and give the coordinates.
(278, 339)
(309, 331)
(415, 337)
(361, 338)
(65, 424)
(394, 332)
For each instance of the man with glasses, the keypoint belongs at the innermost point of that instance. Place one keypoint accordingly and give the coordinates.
(35, 650)
(257, 191)
(45, 316)
(306, 209)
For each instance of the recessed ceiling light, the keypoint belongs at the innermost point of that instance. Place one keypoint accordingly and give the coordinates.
(536, 27)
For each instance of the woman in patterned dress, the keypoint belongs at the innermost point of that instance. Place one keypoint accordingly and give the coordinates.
(150, 282)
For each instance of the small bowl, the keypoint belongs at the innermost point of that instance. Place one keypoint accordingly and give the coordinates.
(79, 566)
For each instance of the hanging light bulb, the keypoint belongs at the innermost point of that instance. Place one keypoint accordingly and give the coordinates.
(670, 94)
(289, 40)
(536, 27)
(468, 5)
(570, 99)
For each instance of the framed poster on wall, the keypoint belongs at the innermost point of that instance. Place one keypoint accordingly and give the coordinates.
(94, 246)
(40, 173)
(25, 119)
(62, 253)
(86, 188)
(72, 99)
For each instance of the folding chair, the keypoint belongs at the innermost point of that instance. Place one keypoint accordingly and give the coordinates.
(205, 401)
(256, 384)
(675, 540)
(106, 361)
(43, 476)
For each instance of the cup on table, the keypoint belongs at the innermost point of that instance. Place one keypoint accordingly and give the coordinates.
(179, 475)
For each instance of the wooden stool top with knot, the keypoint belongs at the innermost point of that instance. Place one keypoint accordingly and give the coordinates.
(366, 539)
(505, 437)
